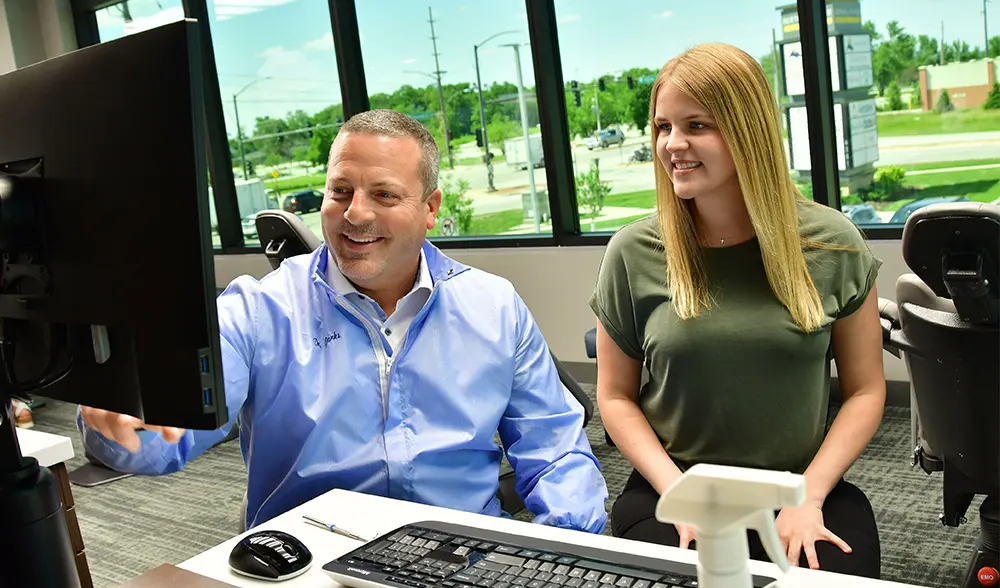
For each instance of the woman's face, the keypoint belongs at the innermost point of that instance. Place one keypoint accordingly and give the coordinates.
(690, 146)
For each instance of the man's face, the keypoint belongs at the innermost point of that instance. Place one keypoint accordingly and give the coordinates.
(374, 215)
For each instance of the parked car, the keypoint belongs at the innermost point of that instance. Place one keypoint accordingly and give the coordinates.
(250, 226)
(862, 214)
(906, 210)
(604, 138)
(303, 201)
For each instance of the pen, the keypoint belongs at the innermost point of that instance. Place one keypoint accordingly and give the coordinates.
(333, 528)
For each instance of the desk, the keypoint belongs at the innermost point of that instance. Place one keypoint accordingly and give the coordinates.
(371, 515)
(52, 451)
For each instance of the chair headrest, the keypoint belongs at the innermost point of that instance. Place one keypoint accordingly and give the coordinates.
(955, 249)
(283, 234)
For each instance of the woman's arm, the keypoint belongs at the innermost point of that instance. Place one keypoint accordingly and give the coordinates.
(618, 379)
(857, 349)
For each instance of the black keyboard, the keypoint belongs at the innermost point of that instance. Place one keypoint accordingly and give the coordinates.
(433, 554)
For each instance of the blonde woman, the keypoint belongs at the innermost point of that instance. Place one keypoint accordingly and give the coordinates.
(735, 295)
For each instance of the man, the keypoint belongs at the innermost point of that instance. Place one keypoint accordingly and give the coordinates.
(378, 364)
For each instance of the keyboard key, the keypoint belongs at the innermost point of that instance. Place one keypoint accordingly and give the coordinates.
(528, 553)
(590, 584)
(566, 560)
(544, 576)
(622, 571)
(484, 583)
(419, 542)
(507, 560)
(548, 557)
(536, 584)
(398, 535)
(520, 581)
(532, 564)
(594, 576)
(486, 547)
(574, 582)
(641, 584)
(624, 582)
(547, 566)
(577, 573)
(608, 579)
(491, 564)
(464, 578)
(507, 549)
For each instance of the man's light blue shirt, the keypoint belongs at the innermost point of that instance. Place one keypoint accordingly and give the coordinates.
(325, 401)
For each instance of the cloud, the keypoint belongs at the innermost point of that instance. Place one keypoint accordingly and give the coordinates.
(567, 18)
(324, 43)
(271, 52)
(226, 9)
(666, 14)
(409, 61)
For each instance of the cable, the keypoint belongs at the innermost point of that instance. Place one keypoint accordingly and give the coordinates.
(49, 376)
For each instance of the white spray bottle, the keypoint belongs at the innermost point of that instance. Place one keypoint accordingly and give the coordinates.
(721, 503)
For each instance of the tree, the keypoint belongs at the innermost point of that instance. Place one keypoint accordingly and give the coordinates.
(455, 205)
(640, 107)
(993, 99)
(994, 47)
(893, 98)
(591, 192)
(944, 103)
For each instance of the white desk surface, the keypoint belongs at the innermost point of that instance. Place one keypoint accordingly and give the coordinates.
(47, 448)
(370, 516)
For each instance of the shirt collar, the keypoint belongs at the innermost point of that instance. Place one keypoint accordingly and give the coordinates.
(341, 285)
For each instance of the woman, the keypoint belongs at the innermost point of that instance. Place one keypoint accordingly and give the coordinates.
(733, 296)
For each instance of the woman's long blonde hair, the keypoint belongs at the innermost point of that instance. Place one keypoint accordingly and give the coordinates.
(733, 88)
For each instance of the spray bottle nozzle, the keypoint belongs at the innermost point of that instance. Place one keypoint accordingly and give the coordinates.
(721, 503)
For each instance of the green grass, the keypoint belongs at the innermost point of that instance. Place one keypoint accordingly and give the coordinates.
(492, 223)
(479, 161)
(969, 120)
(979, 185)
(283, 185)
(639, 199)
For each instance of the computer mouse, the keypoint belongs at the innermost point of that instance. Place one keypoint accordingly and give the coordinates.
(270, 555)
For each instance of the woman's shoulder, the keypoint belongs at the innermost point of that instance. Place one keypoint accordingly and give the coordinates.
(641, 235)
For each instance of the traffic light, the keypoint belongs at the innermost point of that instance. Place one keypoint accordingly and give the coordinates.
(630, 82)
(600, 84)
(479, 137)
(309, 126)
(575, 88)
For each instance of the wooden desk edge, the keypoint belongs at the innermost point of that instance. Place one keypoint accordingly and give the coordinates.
(172, 576)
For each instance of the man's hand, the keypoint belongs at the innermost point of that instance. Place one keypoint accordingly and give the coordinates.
(800, 528)
(121, 427)
(687, 535)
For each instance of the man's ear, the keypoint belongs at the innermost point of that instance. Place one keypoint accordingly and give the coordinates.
(433, 203)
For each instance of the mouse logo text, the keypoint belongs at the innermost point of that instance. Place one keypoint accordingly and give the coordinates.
(276, 545)
(362, 572)
(325, 341)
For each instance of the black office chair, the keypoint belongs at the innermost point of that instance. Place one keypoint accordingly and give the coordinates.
(947, 327)
(283, 235)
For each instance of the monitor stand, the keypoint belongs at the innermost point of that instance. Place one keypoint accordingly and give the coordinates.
(35, 549)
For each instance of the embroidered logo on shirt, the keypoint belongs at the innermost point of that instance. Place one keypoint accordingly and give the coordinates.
(326, 340)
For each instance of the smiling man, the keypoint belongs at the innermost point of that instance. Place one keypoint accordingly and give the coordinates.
(378, 364)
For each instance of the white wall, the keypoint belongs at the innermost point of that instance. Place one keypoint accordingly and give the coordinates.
(557, 282)
(34, 30)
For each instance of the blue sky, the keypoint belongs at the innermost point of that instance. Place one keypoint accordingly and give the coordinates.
(284, 48)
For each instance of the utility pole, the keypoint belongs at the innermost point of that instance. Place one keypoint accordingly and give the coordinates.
(941, 60)
(597, 107)
(437, 74)
(986, 33)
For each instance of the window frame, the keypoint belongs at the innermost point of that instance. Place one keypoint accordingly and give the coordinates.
(551, 96)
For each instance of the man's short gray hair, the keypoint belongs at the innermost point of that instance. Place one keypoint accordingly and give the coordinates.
(389, 123)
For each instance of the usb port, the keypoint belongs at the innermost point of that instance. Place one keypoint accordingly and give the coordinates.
(207, 393)
(204, 364)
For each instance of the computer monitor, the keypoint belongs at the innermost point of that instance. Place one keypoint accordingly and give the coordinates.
(107, 282)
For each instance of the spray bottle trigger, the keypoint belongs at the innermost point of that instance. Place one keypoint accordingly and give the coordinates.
(763, 522)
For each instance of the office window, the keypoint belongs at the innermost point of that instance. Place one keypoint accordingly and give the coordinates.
(925, 76)
(610, 59)
(281, 101)
(453, 64)
(133, 16)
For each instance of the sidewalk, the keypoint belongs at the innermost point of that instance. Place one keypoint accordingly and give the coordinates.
(608, 213)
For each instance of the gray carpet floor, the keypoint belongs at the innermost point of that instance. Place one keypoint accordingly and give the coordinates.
(135, 524)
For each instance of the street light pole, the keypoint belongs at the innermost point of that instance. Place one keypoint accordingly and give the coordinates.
(527, 142)
(239, 138)
(239, 130)
(482, 124)
(482, 110)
